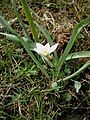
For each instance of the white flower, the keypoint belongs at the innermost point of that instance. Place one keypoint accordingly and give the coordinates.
(45, 50)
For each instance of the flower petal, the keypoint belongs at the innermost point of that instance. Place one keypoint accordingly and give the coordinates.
(53, 48)
(38, 48)
(47, 47)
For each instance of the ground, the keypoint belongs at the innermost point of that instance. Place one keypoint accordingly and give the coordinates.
(21, 81)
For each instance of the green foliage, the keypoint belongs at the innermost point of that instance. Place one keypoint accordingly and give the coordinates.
(73, 37)
(82, 54)
(30, 19)
(26, 45)
(25, 93)
(66, 96)
(77, 72)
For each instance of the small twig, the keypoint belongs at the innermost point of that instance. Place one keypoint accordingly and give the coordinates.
(19, 106)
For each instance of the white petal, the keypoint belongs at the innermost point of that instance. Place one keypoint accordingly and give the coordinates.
(45, 50)
(38, 48)
(47, 47)
(53, 48)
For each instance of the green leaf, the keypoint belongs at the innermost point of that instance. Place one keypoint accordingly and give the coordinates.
(87, 64)
(45, 33)
(20, 19)
(11, 37)
(67, 96)
(80, 36)
(82, 54)
(73, 37)
(7, 26)
(77, 86)
(15, 39)
(30, 19)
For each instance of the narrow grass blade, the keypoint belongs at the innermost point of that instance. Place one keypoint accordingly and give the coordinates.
(30, 19)
(75, 33)
(7, 26)
(20, 19)
(77, 72)
(15, 39)
(10, 22)
(82, 54)
(45, 33)
(10, 37)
